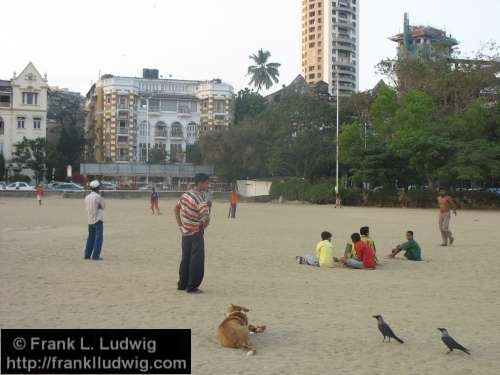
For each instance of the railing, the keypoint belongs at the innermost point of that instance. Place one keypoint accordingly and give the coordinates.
(161, 133)
(122, 158)
(123, 131)
(4, 104)
(140, 169)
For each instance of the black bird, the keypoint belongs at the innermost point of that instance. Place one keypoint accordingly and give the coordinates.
(386, 330)
(450, 342)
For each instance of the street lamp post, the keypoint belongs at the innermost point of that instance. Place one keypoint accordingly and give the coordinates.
(147, 140)
(337, 141)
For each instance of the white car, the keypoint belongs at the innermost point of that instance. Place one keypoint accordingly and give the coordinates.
(20, 186)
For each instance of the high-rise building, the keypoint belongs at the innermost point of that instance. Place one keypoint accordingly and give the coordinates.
(330, 44)
(129, 118)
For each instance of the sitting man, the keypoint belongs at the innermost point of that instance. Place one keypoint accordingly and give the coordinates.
(364, 259)
(324, 253)
(411, 248)
(365, 237)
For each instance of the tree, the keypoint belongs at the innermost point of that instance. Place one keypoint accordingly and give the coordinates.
(193, 154)
(67, 110)
(248, 103)
(158, 155)
(263, 73)
(31, 154)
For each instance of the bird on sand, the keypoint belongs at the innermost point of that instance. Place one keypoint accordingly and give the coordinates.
(386, 330)
(451, 343)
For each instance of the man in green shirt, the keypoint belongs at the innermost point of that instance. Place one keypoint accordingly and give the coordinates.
(411, 248)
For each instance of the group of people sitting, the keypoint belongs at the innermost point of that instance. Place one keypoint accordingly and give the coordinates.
(360, 253)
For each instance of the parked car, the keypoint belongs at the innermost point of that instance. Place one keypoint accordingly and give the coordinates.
(3, 185)
(107, 185)
(493, 190)
(67, 186)
(19, 185)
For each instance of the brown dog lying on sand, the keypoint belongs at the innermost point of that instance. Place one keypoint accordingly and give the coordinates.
(234, 330)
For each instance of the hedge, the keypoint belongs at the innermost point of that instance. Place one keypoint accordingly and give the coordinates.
(296, 189)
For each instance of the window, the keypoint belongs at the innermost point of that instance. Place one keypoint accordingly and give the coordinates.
(30, 98)
(122, 102)
(4, 101)
(143, 130)
(37, 123)
(176, 130)
(169, 105)
(219, 106)
(2, 125)
(20, 122)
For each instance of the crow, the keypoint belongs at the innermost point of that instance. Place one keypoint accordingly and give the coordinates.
(386, 330)
(450, 342)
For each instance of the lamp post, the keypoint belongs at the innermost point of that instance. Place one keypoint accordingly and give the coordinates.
(147, 140)
(337, 141)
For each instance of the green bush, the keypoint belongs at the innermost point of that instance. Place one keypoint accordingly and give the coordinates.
(321, 194)
(293, 189)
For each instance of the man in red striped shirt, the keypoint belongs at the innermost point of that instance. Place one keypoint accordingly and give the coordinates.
(193, 216)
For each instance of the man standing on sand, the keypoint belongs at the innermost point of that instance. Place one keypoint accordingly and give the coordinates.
(446, 205)
(193, 216)
(94, 204)
(233, 201)
(39, 194)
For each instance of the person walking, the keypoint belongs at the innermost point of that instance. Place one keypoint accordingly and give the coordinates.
(39, 194)
(94, 204)
(233, 201)
(192, 214)
(446, 205)
(154, 201)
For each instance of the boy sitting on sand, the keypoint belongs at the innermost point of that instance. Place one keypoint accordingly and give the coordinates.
(364, 259)
(324, 253)
(365, 237)
(411, 248)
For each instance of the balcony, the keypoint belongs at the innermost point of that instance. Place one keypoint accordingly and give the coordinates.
(183, 112)
(122, 158)
(161, 133)
(123, 131)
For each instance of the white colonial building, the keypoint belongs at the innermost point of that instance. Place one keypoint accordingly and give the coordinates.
(129, 118)
(23, 109)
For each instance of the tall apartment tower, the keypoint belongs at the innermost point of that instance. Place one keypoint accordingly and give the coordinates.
(330, 43)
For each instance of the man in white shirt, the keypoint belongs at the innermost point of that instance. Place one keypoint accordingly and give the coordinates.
(94, 204)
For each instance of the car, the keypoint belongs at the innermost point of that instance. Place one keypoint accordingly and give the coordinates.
(3, 185)
(107, 186)
(20, 185)
(377, 188)
(493, 190)
(67, 186)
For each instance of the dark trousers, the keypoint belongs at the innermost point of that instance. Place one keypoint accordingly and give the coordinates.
(192, 265)
(94, 240)
(233, 210)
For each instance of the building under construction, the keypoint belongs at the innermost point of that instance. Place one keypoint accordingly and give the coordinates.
(423, 42)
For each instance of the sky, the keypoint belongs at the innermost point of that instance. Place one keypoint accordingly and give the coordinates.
(75, 40)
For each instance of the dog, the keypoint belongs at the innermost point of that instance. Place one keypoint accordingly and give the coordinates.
(234, 330)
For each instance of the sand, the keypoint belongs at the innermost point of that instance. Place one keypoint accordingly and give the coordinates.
(319, 320)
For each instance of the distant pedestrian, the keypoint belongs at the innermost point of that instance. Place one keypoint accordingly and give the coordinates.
(154, 201)
(410, 247)
(94, 204)
(39, 194)
(338, 201)
(233, 201)
(446, 205)
(192, 214)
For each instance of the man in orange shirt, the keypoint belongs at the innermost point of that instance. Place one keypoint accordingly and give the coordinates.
(233, 200)
(39, 194)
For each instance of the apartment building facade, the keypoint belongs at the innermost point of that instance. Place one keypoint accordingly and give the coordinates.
(128, 119)
(23, 109)
(330, 44)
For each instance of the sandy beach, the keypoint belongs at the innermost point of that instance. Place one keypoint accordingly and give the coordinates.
(319, 320)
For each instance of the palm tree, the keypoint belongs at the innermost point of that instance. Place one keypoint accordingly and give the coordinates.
(263, 73)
